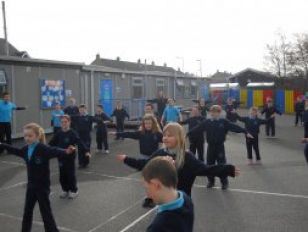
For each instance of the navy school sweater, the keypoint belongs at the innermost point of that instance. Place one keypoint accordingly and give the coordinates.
(299, 107)
(269, 111)
(148, 141)
(252, 125)
(100, 120)
(63, 139)
(38, 165)
(178, 217)
(216, 130)
(120, 115)
(190, 170)
(192, 123)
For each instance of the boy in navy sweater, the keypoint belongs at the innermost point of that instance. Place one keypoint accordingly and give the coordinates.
(230, 111)
(120, 114)
(37, 155)
(175, 208)
(270, 111)
(252, 125)
(299, 108)
(196, 142)
(83, 124)
(101, 118)
(216, 129)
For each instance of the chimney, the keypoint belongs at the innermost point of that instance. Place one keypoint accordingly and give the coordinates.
(98, 57)
(118, 58)
(138, 61)
(165, 64)
(153, 63)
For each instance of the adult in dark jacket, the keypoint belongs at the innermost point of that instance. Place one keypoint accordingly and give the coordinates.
(216, 129)
(36, 156)
(270, 111)
(188, 166)
(203, 106)
(252, 125)
(196, 142)
(120, 114)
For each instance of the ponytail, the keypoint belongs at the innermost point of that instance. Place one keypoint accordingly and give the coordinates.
(38, 130)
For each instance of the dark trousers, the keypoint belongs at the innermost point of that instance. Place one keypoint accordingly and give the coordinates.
(56, 129)
(270, 127)
(253, 144)
(42, 197)
(298, 118)
(119, 128)
(216, 155)
(197, 146)
(101, 138)
(5, 133)
(306, 130)
(306, 152)
(68, 179)
(86, 139)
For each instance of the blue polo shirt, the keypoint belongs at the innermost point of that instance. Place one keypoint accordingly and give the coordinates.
(173, 205)
(56, 117)
(171, 114)
(31, 148)
(6, 109)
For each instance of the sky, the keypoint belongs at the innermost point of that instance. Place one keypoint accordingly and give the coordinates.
(226, 35)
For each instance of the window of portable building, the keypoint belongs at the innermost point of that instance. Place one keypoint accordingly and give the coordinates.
(137, 88)
(161, 85)
(3, 82)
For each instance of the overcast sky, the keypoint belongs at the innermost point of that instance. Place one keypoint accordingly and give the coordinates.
(225, 34)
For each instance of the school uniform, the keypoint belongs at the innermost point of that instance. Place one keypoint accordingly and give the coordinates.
(56, 120)
(230, 115)
(299, 109)
(72, 111)
(161, 105)
(305, 120)
(189, 171)
(148, 141)
(270, 126)
(216, 130)
(6, 109)
(120, 115)
(252, 125)
(63, 139)
(84, 127)
(171, 114)
(177, 215)
(196, 142)
(101, 131)
(37, 158)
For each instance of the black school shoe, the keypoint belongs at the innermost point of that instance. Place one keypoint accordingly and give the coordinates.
(148, 203)
(224, 186)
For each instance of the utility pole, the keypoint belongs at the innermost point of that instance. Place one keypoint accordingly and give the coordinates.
(200, 63)
(7, 52)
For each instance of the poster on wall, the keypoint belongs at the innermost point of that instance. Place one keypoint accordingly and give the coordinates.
(52, 92)
(106, 95)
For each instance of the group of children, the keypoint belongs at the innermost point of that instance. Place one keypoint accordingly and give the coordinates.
(168, 169)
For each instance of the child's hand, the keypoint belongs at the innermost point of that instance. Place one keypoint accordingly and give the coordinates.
(70, 150)
(88, 154)
(273, 115)
(248, 135)
(237, 171)
(112, 133)
(121, 157)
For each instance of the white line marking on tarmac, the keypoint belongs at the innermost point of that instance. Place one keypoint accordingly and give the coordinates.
(116, 216)
(13, 186)
(138, 220)
(260, 192)
(110, 176)
(39, 223)
(203, 186)
(13, 163)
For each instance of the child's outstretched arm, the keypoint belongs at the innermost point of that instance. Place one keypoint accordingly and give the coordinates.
(201, 169)
(237, 129)
(198, 129)
(12, 150)
(137, 164)
(127, 134)
(54, 152)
